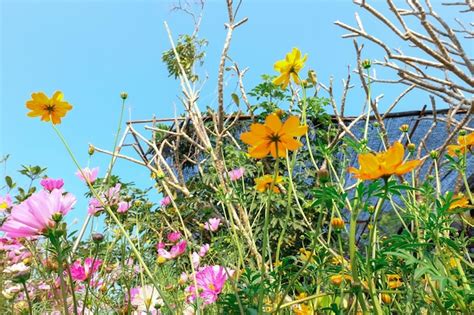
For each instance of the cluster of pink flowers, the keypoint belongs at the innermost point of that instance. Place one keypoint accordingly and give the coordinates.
(13, 249)
(5, 202)
(178, 247)
(88, 175)
(35, 215)
(210, 282)
(111, 198)
(83, 272)
(212, 224)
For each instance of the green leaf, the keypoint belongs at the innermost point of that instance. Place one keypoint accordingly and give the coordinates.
(235, 98)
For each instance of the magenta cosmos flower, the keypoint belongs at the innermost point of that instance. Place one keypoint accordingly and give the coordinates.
(175, 251)
(80, 272)
(35, 215)
(210, 281)
(165, 201)
(212, 224)
(88, 175)
(236, 173)
(174, 236)
(50, 183)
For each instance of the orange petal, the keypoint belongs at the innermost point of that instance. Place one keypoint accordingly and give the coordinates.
(273, 122)
(293, 128)
(259, 151)
(290, 144)
(407, 167)
(394, 156)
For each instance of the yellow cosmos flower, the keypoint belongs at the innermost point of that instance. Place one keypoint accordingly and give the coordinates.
(337, 279)
(48, 108)
(465, 143)
(289, 68)
(273, 137)
(383, 164)
(459, 201)
(264, 183)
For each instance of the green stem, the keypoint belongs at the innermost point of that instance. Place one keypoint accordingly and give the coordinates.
(30, 307)
(265, 235)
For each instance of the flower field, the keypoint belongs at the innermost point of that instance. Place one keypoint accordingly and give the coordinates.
(278, 203)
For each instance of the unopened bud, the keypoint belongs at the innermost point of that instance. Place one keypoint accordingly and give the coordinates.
(371, 209)
(404, 128)
(366, 64)
(434, 154)
(123, 95)
(386, 298)
(411, 147)
(312, 77)
(97, 237)
(323, 175)
(462, 132)
(91, 149)
(337, 223)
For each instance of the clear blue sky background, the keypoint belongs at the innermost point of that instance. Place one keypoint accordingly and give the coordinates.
(93, 50)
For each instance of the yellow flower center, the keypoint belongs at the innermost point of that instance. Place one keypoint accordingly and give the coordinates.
(3, 205)
(212, 287)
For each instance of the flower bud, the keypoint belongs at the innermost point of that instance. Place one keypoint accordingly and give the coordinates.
(462, 132)
(97, 237)
(279, 112)
(366, 64)
(434, 154)
(386, 298)
(312, 77)
(376, 124)
(337, 223)
(91, 149)
(411, 147)
(371, 209)
(123, 95)
(323, 175)
(404, 128)
(336, 280)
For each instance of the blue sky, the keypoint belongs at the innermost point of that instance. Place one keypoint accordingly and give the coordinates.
(93, 50)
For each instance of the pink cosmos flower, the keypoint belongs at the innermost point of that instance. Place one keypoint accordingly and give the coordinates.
(5, 202)
(160, 245)
(177, 250)
(195, 259)
(165, 201)
(35, 215)
(210, 281)
(236, 173)
(89, 174)
(212, 224)
(81, 272)
(50, 183)
(174, 236)
(112, 196)
(203, 250)
(94, 206)
(123, 206)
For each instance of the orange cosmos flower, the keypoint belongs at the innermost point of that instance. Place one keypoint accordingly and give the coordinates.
(383, 164)
(459, 201)
(273, 137)
(465, 143)
(394, 281)
(48, 108)
(264, 183)
(289, 68)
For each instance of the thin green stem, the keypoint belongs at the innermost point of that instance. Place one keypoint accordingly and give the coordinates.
(30, 306)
